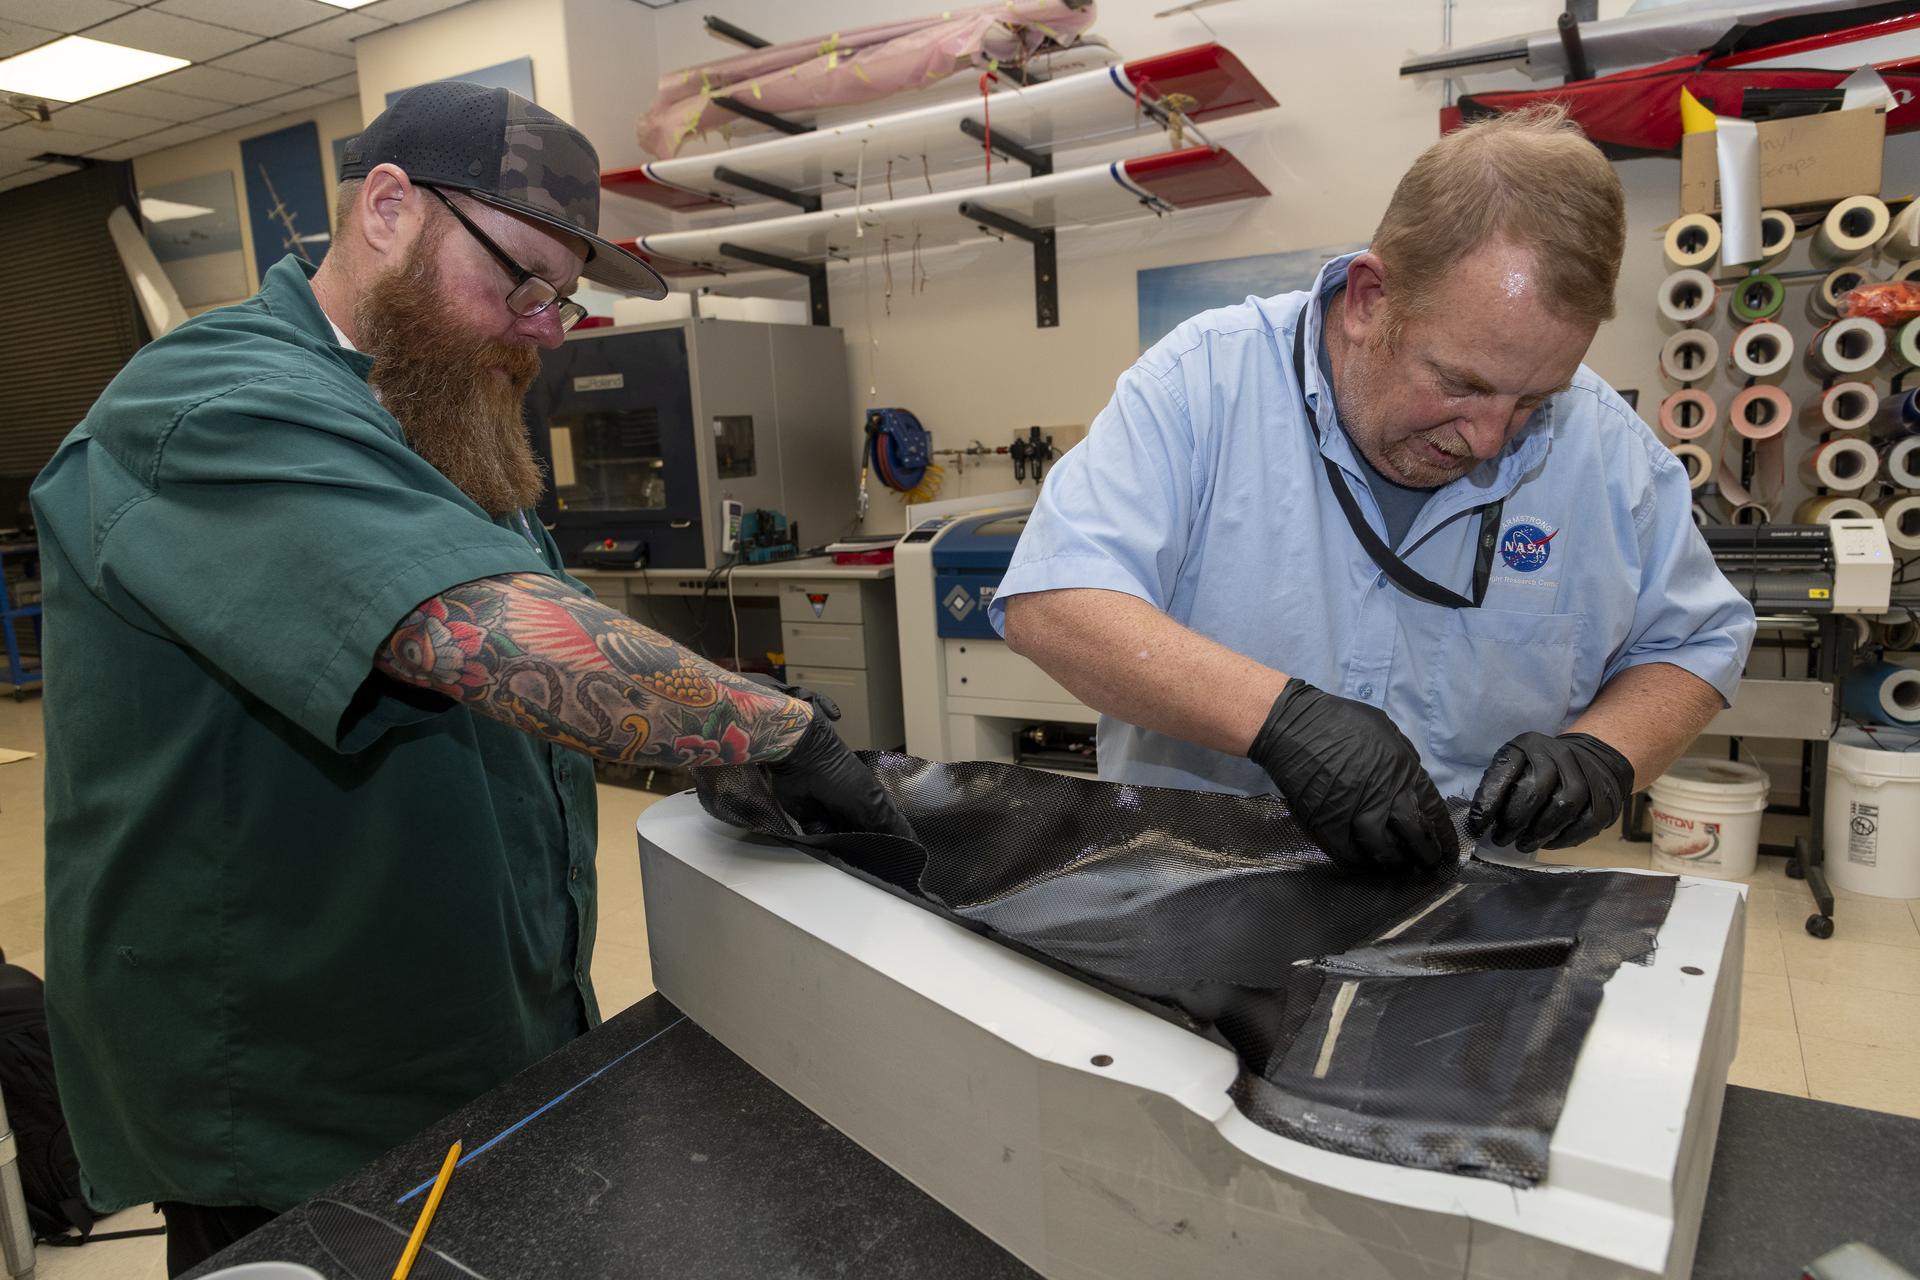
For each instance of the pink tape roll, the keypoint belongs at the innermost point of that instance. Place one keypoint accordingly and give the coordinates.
(1760, 412)
(1688, 414)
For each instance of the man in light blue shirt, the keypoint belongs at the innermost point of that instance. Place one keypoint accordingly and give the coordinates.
(1536, 622)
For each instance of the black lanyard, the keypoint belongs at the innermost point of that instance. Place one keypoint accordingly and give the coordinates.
(1404, 575)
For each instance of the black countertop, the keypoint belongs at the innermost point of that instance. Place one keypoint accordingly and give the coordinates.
(649, 1149)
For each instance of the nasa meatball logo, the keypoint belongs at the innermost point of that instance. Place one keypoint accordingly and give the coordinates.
(1527, 544)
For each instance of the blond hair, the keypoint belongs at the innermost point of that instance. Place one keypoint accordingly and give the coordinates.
(1530, 178)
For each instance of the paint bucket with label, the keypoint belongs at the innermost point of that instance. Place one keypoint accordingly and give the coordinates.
(1873, 810)
(1705, 816)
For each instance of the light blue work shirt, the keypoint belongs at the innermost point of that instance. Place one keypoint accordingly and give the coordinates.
(1200, 490)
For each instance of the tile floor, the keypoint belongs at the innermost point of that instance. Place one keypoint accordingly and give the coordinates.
(1837, 1020)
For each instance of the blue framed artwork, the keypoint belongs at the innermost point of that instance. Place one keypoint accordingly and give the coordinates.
(287, 204)
(194, 228)
(1170, 295)
(516, 75)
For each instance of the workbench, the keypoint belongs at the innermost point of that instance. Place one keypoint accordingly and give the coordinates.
(671, 1157)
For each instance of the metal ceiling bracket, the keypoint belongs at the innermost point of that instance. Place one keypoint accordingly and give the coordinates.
(1046, 267)
(771, 190)
(1011, 148)
(815, 272)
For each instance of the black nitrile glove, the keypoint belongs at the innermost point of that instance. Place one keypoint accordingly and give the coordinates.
(1550, 793)
(1353, 781)
(822, 785)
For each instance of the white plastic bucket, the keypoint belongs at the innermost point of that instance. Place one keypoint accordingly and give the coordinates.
(1873, 812)
(1705, 816)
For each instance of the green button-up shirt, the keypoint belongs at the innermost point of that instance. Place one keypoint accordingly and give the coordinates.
(295, 911)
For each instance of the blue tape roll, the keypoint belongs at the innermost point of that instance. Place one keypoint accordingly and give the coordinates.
(1882, 693)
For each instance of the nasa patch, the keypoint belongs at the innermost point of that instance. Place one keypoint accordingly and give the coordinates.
(1527, 544)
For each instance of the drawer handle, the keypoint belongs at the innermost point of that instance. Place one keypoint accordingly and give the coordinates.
(679, 524)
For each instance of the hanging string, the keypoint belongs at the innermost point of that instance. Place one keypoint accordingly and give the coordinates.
(986, 114)
(859, 180)
(925, 174)
(886, 269)
(889, 178)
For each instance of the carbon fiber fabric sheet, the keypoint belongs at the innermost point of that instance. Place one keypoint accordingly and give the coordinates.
(1430, 1022)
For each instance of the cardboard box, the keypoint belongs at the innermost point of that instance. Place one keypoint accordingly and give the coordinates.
(1804, 160)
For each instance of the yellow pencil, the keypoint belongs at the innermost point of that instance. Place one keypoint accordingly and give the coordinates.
(426, 1214)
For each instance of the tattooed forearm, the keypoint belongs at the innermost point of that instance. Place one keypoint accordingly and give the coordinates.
(530, 651)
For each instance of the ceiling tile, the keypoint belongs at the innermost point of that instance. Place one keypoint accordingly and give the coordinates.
(35, 174)
(164, 33)
(113, 126)
(262, 17)
(344, 87)
(18, 37)
(51, 137)
(237, 118)
(335, 35)
(157, 105)
(229, 87)
(408, 10)
(289, 63)
(65, 15)
(15, 143)
(172, 136)
(300, 100)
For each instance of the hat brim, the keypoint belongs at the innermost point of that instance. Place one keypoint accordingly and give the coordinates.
(607, 262)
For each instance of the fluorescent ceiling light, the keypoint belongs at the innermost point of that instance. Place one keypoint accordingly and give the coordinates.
(75, 67)
(346, 4)
(169, 210)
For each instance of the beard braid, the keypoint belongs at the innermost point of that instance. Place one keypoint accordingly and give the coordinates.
(439, 384)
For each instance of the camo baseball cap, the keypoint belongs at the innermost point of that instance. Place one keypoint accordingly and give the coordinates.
(500, 148)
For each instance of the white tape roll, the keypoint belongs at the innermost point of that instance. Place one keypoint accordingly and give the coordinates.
(1851, 230)
(1822, 509)
(1849, 346)
(1845, 465)
(1823, 302)
(1902, 517)
(1845, 406)
(1702, 517)
(1690, 355)
(1903, 236)
(1903, 349)
(1697, 461)
(1687, 296)
(1750, 513)
(1900, 460)
(1776, 236)
(1761, 350)
(1901, 637)
(1908, 269)
(1693, 240)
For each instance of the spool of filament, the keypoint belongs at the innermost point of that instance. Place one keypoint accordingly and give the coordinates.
(1690, 355)
(1882, 693)
(1687, 296)
(1760, 412)
(1822, 509)
(1846, 347)
(1761, 350)
(1693, 240)
(1902, 518)
(1776, 235)
(1690, 413)
(1846, 465)
(1903, 349)
(1824, 302)
(1697, 461)
(1758, 297)
(1899, 414)
(1900, 462)
(1851, 230)
(1903, 236)
(1845, 406)
(1750, 513)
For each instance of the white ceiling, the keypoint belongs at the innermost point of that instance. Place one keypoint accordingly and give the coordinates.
(253, 60)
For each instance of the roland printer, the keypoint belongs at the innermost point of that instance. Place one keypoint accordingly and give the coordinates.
(1842, 566)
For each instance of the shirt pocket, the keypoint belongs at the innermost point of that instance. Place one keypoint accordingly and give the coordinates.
(1493, 674)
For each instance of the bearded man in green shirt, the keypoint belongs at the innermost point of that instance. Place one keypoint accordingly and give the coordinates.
(320, 697)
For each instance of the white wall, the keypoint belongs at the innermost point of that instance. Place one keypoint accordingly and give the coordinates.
(455, 41)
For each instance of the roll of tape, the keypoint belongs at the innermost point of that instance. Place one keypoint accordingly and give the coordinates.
(1692, 241)
(1690, 355)
(1882, 693)
(1903, 349)
(1760, 412)
(1862, 630)
(1701, 516)
(1687, 296)
(1851, 230)
(1845, 347)
(1844, 406)
(1903, 236)
(1846, 465)
(1689, 414)
(1907, 269)
(1750, 513)
(1902, 518)
(1827, 507)
(1697, 461)
(1901, 637)
(1900, 461)
(1824, 302)
(1899, 414)
(1776, 235)
(1761, 350)
(1758, 297)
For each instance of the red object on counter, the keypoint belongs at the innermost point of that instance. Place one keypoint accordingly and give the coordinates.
(881, 555)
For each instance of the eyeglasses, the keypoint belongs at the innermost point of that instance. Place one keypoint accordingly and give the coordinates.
(530, 294)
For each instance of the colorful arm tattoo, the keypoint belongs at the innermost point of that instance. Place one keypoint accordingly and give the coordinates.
(532, 652)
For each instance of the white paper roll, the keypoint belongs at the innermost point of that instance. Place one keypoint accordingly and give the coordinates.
(1687, 296)
(1900, 460)
(1697, 461)
(1908, 269)
(1845, 465)
(1903, 235)
(1903, 347)
(1862, 630)
(1851, 230)
(1822, 509)
(1902, 517)
(1701, 516)
(1693, 240)
(1776, 236)
(1845, 406)
(1690, 355)
(1823, 301)
(1849, 346)
(1761, 349)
